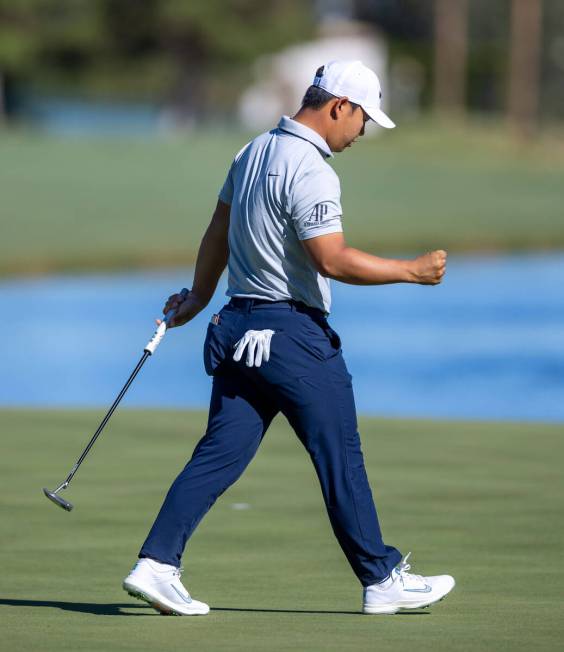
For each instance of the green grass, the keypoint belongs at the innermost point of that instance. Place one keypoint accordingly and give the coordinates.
(481, 501)
(80, 204)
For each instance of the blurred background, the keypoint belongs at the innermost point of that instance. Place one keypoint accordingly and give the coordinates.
(119, 120)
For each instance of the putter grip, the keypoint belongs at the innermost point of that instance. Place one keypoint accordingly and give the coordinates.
(161, 329)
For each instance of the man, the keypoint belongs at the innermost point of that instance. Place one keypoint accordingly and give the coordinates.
(277, 226)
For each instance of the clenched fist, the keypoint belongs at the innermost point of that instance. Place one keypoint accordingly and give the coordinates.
(430, 268)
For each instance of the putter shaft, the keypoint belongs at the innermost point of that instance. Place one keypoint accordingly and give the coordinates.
(149, 350)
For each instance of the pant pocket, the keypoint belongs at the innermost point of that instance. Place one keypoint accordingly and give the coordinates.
(333, 337)
(214, 349)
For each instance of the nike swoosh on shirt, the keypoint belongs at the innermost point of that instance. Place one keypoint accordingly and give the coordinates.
(271, 174)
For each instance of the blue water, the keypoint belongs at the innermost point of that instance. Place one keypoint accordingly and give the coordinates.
(486, 344)
(65, 117)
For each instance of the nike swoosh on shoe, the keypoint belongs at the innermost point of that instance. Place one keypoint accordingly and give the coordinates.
(183, 597)
(427, 589)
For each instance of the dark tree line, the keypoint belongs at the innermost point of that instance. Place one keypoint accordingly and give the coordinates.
(143, 48)
(500, 55)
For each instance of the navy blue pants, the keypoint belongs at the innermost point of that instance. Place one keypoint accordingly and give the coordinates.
(307, 380)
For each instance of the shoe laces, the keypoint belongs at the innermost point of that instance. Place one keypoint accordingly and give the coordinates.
(402, 570)
(180, 588)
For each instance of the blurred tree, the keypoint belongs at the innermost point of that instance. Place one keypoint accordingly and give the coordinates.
(147, 48)
(36, 34)
(406, 21)
(408, 26)
(551, 102)
(451, 46)
(524, 68)
(488, 36)
(213, 38)
(196, 53)
(38, 37)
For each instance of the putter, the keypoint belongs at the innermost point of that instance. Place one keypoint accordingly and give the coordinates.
(147, 351)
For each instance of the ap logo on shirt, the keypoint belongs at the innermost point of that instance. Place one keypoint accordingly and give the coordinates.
(317, 214)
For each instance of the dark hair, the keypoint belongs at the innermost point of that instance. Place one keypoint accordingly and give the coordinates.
(316, 97)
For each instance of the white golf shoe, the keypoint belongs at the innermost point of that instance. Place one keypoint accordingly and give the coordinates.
(160, 586)
(403, 590)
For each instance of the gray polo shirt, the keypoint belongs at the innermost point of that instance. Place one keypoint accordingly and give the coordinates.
(281, 190)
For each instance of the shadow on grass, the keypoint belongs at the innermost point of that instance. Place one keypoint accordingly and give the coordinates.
(116, 609)
(311, 611)
(80, 607)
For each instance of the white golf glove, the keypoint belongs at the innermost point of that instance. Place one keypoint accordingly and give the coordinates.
(258, 347)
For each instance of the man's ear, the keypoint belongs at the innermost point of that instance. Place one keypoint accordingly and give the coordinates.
(337, 106)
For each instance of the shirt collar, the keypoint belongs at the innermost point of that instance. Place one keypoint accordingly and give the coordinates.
(301, 131)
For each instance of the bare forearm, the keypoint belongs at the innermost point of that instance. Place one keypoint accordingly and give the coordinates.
(211, 261)
(212, 256)
(357, 267)
(334, 259)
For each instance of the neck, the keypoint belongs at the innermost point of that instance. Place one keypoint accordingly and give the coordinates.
(314, 120)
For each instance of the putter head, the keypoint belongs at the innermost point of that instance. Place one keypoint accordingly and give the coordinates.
(61, 502)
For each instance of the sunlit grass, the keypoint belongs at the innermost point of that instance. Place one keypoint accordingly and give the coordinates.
(103, 204)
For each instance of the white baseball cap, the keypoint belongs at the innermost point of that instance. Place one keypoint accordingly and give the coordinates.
(352, 79)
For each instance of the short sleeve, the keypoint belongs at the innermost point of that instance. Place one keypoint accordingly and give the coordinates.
(226, 192)
(316, 203)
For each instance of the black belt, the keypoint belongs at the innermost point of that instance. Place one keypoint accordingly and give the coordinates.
(247, 303)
